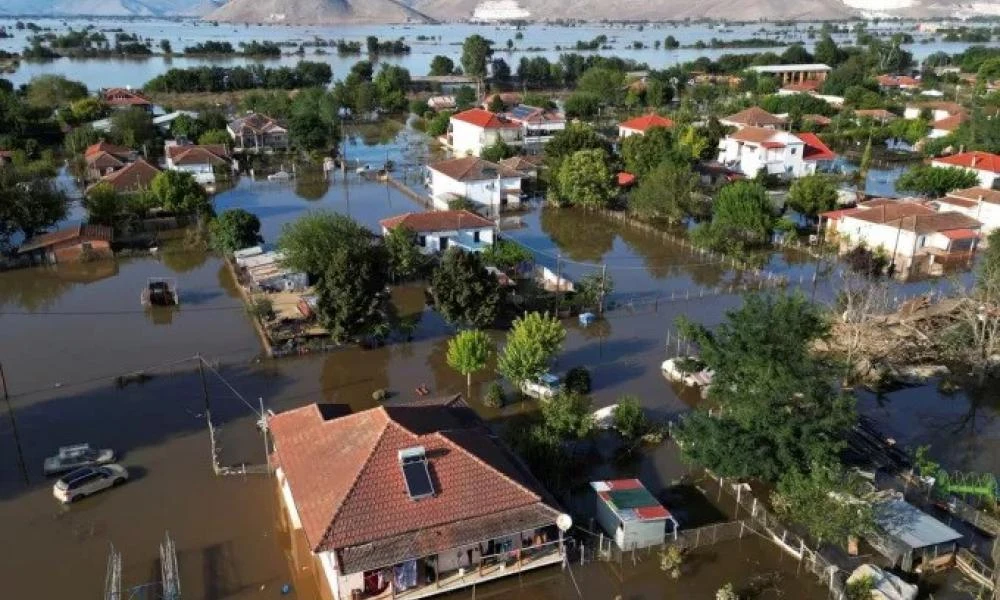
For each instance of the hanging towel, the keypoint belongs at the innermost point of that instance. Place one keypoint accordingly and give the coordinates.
(405, 575)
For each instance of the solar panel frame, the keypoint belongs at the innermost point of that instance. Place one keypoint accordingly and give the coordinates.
(418, 478)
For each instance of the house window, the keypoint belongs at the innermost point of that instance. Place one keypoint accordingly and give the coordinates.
(422, 241)
(443, 244)
(793, 151)
(475, 237)
(921, 241)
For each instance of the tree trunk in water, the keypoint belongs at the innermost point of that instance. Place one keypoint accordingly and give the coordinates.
(468, 384)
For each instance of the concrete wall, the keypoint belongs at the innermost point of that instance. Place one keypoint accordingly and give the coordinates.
(752, 158)
(481, 192)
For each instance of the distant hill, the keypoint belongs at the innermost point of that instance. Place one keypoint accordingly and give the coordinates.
(314, 11)
(110, 8)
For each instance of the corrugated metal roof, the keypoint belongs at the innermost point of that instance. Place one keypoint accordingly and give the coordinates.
(911, 526)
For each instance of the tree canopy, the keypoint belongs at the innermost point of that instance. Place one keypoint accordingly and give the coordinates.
(586, 180)
(464, 292)
(532, 342)
(643, 153)
(667, 193)
(468, 352)
(742, 217)
(235, 229)
(935, 182)
(812, 194)
(476, 52)
(309, 242)
(351, 298)
(778, 411)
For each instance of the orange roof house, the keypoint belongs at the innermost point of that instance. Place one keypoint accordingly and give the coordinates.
(754, 116)
(382, 493)
(640, 125)
(132, 178)
(119, 97)
(985, 165)
(70, 243)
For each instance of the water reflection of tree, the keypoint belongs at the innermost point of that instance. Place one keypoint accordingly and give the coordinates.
(383, 132)
(226, 282)
(580, 235)
(183, 260)
(38, 288)
(311, 186)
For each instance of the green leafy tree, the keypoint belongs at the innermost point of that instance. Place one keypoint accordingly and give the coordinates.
(497, 151)
(405, 259)
(441, 65)
(604, 82)
(585, 179)
(85, 110)
(133, 127)
(351, 301)
(866, 161)
(742, 217)
(643, 153)
(49, 92)
(582, 105)
(496, 105)
(103, 204)
(812, 194)
(532, 342)
(214, 136)
(464, 292)
(468, 353)
(827, 52)
(778, 411)
(29, 202)
(476, 53)
(309, 242)
(935, 182)
(575, 137)
(234, 229)
(568, 416)
(826, 501)
(179, 193)
(505, 254)
(78, 138)
(465, 97)
(630, 421)
(665, 193)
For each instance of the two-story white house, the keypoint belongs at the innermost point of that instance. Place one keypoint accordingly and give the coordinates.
(439, 230)
(985, 165)
(909, 233)
(201, 161)
(487, 185)
(981, 204)
(751, 150)
(472, 130)
(538, 125)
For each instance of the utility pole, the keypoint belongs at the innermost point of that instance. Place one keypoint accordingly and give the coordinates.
(13, 426)
(208, 408)
(604, 278)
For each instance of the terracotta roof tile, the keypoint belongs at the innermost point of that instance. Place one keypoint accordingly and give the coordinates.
(756, 116)
(754, 135)
(192, 154)
(133, 177)
(881, 213)
(983, 161)
(83, 232)
(345, 477)
(104, 147)
(950, 123)
(118, 96)
(485, 119)
(974, 194)
(646, 122)
(814, 148)
(472, 168)
(440, 220)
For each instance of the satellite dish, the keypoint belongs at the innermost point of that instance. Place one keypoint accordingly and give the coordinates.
(564, 522)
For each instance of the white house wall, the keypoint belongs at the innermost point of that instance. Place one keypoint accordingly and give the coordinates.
(878, 236)
(485, 192)
(468, 139)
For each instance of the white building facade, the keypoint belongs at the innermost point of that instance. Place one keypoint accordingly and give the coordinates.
(487, 185)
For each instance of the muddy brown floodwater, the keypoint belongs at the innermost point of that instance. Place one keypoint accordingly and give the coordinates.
(68, 333)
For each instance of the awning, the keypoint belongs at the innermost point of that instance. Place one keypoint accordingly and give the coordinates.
(960, 234)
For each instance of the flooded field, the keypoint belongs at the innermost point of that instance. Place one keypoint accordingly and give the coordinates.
(425, 41)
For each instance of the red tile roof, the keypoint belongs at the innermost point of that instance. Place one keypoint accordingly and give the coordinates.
(134, 177)
(348, 487)
(74, 232)
(102, 146)
(814, 148)
(889, 212)
(647, 122)
(198, 155)
(625, 179)
(484, 119)
(125, 97)
(438, 220)
(975, 194)
(982, 161)
(473, 168)
(897, 81)
(950, 123)
(772, 145)
(753, 135)
(756, 116)
(960, 234)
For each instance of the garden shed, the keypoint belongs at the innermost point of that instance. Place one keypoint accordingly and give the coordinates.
(631, 515)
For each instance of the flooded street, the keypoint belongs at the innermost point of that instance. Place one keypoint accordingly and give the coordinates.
(75, 336)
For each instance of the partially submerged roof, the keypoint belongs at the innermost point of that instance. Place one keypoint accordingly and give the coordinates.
(911, 526)
(472, 168)
(74, 232)
(630, 500)
(437, 220)
(756, 116)
(345, 476)
(646, 122)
